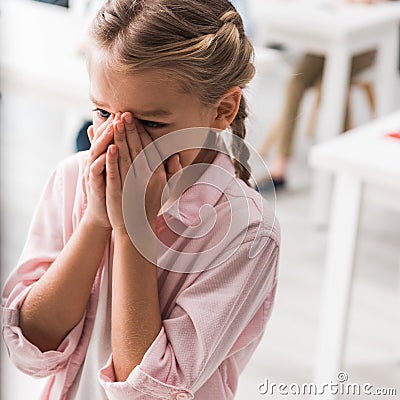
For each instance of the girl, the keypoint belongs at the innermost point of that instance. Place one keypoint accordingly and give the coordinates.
(84, 307)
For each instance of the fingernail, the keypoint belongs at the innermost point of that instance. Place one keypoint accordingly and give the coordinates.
(129, 118)
(115, 119)
(120, 127)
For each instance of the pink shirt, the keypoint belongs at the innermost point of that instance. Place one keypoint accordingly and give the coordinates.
(212, 321)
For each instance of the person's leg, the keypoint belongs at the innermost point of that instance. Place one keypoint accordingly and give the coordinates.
(308, 72)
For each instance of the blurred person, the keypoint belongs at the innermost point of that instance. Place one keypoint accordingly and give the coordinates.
(308, 73)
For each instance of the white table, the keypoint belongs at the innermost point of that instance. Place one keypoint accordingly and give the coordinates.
(362, 156)
(337, 32)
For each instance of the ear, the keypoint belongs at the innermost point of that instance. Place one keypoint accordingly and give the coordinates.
(226, 108)
(90, 133)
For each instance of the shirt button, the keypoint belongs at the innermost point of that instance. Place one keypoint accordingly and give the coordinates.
(182, 396)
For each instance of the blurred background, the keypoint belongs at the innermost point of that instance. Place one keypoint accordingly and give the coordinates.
(323, 68)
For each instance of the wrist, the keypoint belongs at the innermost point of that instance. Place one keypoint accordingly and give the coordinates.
(122, 237)
(121, 232)
(95, 227)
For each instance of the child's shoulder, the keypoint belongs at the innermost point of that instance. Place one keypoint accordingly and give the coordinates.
(69, 175)
(72, 167)
(74, 162)
(259, 214)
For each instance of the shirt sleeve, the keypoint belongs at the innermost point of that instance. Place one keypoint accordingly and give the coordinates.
(206, 325)
(46, 237)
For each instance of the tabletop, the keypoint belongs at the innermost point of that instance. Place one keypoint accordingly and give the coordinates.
(325, 19)
(368, 152)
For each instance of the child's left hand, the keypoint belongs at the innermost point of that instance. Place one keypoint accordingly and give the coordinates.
(130, 138)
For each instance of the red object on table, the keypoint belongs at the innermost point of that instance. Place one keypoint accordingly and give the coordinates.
(394, 135)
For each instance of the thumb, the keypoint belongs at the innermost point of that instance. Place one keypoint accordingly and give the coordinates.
(90, 133)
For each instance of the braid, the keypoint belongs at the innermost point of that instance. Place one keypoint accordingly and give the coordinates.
(239, 149)
(233, 17)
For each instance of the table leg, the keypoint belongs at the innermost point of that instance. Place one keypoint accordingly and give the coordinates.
(330, 122)
(336, 288)
(398, 316)
(386, 68)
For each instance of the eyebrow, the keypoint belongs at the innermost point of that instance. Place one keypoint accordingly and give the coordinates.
(158, 112)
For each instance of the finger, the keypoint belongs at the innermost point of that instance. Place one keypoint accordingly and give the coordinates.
(113, 175)
(151, 152)
(124, 157)
(173, 165)
(98, 165)
(98, 147)
(101, 144)
(132, 135)
(145, 138)
(96, 172)
(90, 133)
(100, 130)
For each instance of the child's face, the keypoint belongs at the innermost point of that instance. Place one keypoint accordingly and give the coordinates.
(152, 97)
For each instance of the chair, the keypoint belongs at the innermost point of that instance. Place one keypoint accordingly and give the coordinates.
(364, 85)
(362, 82)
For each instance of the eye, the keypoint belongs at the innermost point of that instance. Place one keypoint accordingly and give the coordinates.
(152, 124)
(102, 113)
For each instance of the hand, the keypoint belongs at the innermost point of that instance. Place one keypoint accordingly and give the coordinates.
(130, 139)
(96, 212)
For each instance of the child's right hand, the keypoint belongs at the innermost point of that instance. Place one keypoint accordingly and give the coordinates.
(96, 211)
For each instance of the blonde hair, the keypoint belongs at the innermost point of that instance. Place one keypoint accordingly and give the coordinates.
(202, 43)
